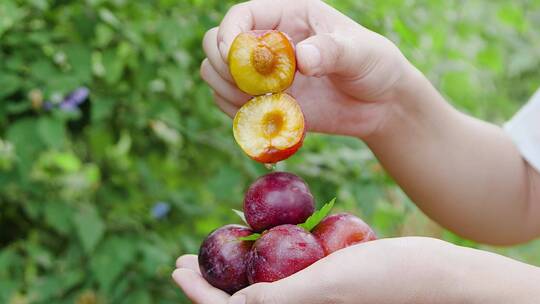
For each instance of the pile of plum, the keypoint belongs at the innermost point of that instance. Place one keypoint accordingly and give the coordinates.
(285, 235)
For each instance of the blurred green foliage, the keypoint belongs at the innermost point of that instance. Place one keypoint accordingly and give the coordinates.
(78, 189)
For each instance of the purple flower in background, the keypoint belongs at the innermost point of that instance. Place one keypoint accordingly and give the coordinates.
(75, 99)
(72, 101)
(160, 210)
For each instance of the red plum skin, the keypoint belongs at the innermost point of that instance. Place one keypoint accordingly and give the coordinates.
(281, 252)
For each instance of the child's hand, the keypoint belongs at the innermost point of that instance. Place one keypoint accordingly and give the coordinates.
(401, 270)
(348, 74)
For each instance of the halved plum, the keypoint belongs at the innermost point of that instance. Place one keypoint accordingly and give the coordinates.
(270, 128)
(262, 62)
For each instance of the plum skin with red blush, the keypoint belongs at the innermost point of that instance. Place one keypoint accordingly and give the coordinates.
(280, 252)
(222, 258)
(277, 198)
(341, 230)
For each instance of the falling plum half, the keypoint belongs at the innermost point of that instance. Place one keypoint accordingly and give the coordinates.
(270, 128)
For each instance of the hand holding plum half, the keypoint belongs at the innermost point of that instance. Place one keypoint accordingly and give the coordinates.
(271, 127)
(280, 205)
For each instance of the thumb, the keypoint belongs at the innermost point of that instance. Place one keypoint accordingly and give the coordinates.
(325, 54)
(313, 285)
(261, 293)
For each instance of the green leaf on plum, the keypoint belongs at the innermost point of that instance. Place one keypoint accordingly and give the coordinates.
(251, 237)
(241, 215)
(318, 216)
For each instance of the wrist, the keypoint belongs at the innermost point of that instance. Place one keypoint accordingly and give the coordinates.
(413, 108)
(491, 278)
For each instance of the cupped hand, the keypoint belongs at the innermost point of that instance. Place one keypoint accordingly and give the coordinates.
(383, 271)
(399, 270)
(348, 76)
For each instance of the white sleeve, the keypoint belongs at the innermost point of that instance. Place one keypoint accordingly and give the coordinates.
(524, 128)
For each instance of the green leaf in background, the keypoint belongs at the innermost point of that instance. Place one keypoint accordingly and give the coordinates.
(102, 108)
(10, 14)
(79, 57)
(387, 218)
(405, 34)
(226, 183)
(67, 162)
(40, 4)
(51, 131)
(28, 144)
(58, 216)
(491, 58)
(46, 288)
(42, 68)
(104, 35)
(513, 15)
(462, 86)
(177, 78)
(18, 108)
(108, 16)
(9, 83)
(318, 216)
(154, 257)
(90, 227)
(110, 259)
(114, 66)
(9, 258)
(7, 289)
(138, 297)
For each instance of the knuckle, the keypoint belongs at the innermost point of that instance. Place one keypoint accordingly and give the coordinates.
(335, 47)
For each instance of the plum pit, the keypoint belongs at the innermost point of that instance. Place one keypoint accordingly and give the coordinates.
(263, 59)
(273, 123)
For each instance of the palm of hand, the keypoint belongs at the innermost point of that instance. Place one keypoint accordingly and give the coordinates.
(329, 109)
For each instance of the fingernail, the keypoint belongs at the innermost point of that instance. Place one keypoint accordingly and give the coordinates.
(311, 57)
(238, 299)
(223, 50)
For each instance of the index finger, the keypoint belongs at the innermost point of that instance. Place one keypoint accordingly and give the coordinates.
(247, 16)
(197, 289)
